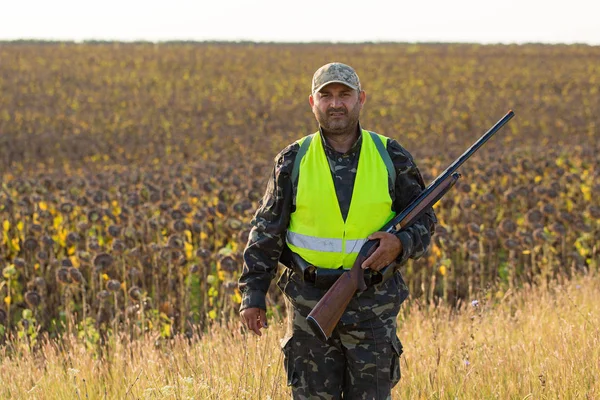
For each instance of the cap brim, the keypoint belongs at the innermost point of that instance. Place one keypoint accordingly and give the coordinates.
(327, 83)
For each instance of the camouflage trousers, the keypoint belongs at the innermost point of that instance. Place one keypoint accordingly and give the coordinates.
(360, 360)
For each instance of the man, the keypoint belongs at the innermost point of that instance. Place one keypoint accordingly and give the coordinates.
(328, 193)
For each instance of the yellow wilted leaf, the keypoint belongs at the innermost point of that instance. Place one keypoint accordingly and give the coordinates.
(166, 330)
(5, 225)
(43, 206)
(443, 270)
(20, 226)
(212, 314)
(71, 251)
(236, 297)
(188, 250)
(36, 266)
(57, 221)
(526, 251)
(62, 237)
(587, 192)
(203, 235)
(105, 277)
(436, 250)
(7, 300)
(74, 260)
(15, 245)
(537, 179)
(569, 205)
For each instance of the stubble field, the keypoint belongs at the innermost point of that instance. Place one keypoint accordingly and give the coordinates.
(130, 172)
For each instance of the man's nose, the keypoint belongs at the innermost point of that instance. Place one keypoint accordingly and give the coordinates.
(336, 102)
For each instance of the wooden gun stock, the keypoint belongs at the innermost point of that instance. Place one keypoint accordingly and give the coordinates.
(326, 314)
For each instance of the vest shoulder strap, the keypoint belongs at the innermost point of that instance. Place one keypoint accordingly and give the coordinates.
(301, 152)
(385, 156)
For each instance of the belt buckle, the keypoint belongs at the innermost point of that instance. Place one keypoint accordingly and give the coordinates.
(310, 274)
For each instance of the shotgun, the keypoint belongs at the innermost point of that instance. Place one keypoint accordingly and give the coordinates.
(325, 315)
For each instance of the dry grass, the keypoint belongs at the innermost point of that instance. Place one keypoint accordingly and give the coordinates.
(537, 343)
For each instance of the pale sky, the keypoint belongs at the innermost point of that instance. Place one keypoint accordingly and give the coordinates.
(509, 21)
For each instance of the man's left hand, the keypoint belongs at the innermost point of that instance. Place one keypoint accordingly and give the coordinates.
(388, 250)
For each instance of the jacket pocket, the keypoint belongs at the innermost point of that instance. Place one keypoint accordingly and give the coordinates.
(288, 360)
(395, 367)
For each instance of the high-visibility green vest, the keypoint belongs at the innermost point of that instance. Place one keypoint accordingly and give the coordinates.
(317, 231)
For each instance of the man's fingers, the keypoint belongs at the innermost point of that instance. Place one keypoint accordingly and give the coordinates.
(263, 318)
(254, 319)
(253, 326)
(373, 260)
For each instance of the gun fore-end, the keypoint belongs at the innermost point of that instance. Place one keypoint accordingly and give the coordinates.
(326, 314)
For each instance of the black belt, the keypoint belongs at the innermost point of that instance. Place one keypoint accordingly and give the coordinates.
(324, 278)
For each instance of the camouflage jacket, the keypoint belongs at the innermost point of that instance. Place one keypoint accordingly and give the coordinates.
(267, 236)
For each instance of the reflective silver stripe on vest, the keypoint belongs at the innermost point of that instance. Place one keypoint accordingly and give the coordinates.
(321, 244)
(353, 246)
(314, 243)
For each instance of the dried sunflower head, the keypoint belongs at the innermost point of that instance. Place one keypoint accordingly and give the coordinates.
(540, 236)
(558, 228)
(118, 246)
(103, 261)
(507, 226)
(228, 264)
(175, 242)
(73, 238)
(113, 285)
(19, 262)
(179, 225)
(103, 295)
(473, 246)
(66, 208)
(473, 229)
(30, 244)
(135, 293)
(203, 254)
(510, 244)
(62, 276)
(594, 211)
(114, 231)
(76, 276)
(33, 299)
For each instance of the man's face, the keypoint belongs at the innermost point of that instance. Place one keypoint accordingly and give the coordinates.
(337, 107)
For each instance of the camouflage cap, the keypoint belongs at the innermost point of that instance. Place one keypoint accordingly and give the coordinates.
(335, 72)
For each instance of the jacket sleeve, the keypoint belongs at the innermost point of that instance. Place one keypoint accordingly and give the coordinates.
(267, 235)
(409, 184)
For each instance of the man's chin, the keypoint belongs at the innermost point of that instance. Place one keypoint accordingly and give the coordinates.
(336, 127)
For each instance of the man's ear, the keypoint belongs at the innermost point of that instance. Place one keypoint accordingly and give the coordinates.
(362, 97)
(311, 100)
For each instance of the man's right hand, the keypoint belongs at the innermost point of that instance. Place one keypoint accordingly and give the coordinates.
(254, 319)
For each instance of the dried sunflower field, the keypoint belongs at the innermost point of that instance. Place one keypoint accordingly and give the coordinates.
(130, 172)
